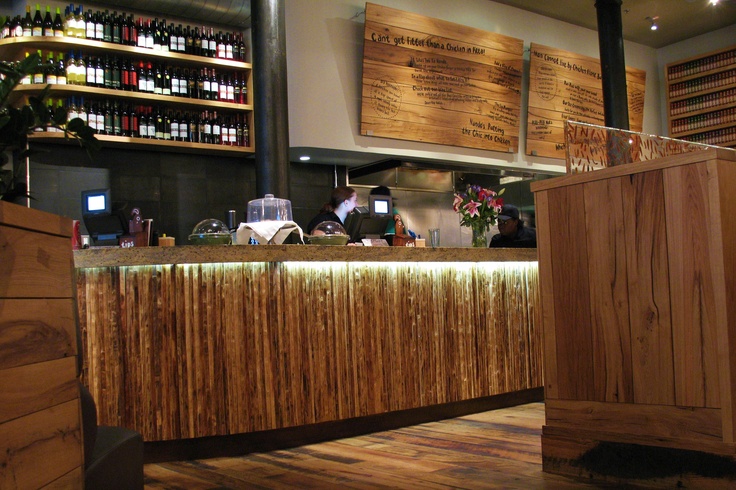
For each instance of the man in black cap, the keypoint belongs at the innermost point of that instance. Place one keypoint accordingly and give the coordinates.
(512, 232)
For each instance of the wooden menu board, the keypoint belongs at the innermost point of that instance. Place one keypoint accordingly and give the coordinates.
(564, 85)
(434, 81)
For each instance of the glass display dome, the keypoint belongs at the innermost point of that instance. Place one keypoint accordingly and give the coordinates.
(210, 232)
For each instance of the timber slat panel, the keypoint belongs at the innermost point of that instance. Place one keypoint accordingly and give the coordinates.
(649, 297)
(695, 354)
(39, 447)
(574, 343)
(222, 349)
(34, 265)
(36, 330)
(611, 337)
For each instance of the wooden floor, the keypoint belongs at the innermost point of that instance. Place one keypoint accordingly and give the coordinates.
(496, 449)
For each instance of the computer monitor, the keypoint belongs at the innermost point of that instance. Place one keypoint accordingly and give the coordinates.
(103, 225)
(360, 224)
(380, 206)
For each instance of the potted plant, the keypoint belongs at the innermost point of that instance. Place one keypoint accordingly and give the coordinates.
(16, 123)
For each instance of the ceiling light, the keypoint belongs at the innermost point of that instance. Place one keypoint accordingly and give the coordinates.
(713, 2)
(653, 21)
(304, 158)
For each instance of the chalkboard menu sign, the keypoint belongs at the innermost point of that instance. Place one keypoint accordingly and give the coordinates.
(434, 81)
(566, 86)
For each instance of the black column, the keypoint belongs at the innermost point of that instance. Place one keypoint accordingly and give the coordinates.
(613, 65)
(270, 103)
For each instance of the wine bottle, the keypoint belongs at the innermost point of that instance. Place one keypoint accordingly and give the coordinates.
(82, 110)
(158, 124)
(99, 73)
(149, 35)
(166, 75)
(184, 128)
(214, 86)
(80, 23)
(236, 89)
(196, 43)
(213, 43)
(181, 40)
(71, 67)
(229, 47)
(142, 122)
(140, 29)
(27, 23)
(174, 125)
(60, 70)
(72, 112)
(222, 85)
(124, 121)
(158, 83)
(220, 43)
(99, 26)
(166, 125)
(39, 71)
(206, 84)
(50, 70)
(16, 28)
(37, 29)
(106, 27)
(124, 75)
(175, 82)
(216, 129)
(150, 79)
(107, 73)
(188, 40)
(117, 74)
(117, 120)
(134, 122)
(117, 28)
(57, 26)
(142, 78)
(100, 118)
(48, 23)
(90, 25)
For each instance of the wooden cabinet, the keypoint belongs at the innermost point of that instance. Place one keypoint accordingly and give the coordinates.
(15, 48)
(701, 98)
(636, 268)
(40, 415)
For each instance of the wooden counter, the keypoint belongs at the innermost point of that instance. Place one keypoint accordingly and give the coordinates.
(186, 342)
(637, 272)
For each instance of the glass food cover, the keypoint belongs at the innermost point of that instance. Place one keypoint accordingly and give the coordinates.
(269, 209)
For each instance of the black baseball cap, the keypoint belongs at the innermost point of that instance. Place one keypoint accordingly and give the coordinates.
(508, 211)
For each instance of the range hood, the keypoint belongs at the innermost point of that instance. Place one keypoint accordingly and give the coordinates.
(432, 176)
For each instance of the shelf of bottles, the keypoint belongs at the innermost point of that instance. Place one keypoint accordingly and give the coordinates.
(701, 98)
(147, 82)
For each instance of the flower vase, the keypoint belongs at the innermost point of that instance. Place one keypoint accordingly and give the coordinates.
(479, 236)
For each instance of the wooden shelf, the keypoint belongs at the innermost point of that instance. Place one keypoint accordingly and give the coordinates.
(17, 46)
(129, 143)
(723, 105)
(138, 97)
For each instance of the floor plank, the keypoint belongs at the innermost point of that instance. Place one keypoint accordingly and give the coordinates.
(489, 450)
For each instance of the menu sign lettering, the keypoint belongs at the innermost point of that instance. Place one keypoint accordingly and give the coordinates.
(567, 86)
(434, 81)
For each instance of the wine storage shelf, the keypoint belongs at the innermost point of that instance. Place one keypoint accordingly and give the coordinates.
(14, 48)
(701, 98)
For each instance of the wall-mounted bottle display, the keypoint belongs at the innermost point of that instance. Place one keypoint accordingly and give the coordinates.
(125, 29)
(701, 98)
(125, 71)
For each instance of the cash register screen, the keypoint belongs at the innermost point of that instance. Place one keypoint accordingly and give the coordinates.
(96, 202)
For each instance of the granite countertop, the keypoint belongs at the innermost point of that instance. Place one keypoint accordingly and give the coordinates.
(190, 254)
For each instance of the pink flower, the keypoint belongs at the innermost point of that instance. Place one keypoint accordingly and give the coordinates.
(472, 208)
(457, 203)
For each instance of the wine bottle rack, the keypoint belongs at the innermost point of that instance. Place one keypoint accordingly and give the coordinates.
(14, 48)
(701, 98)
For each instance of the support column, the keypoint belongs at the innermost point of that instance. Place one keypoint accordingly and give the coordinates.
(613, 65)
(270, 103)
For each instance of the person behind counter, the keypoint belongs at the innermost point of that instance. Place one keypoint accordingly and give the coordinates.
(512, 232)
(342, 202)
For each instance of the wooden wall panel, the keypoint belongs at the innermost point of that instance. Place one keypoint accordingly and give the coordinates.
(694, 309)
(565, 85)
(574, 342)
(434, 81)
(253, 346)
(611, 337)
(649, 308)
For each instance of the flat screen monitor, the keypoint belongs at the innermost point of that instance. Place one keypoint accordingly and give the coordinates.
(104, 226)
(380, 206)
(360, 224)
(96, 202)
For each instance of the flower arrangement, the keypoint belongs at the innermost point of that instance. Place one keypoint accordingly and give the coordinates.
(478, 209)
